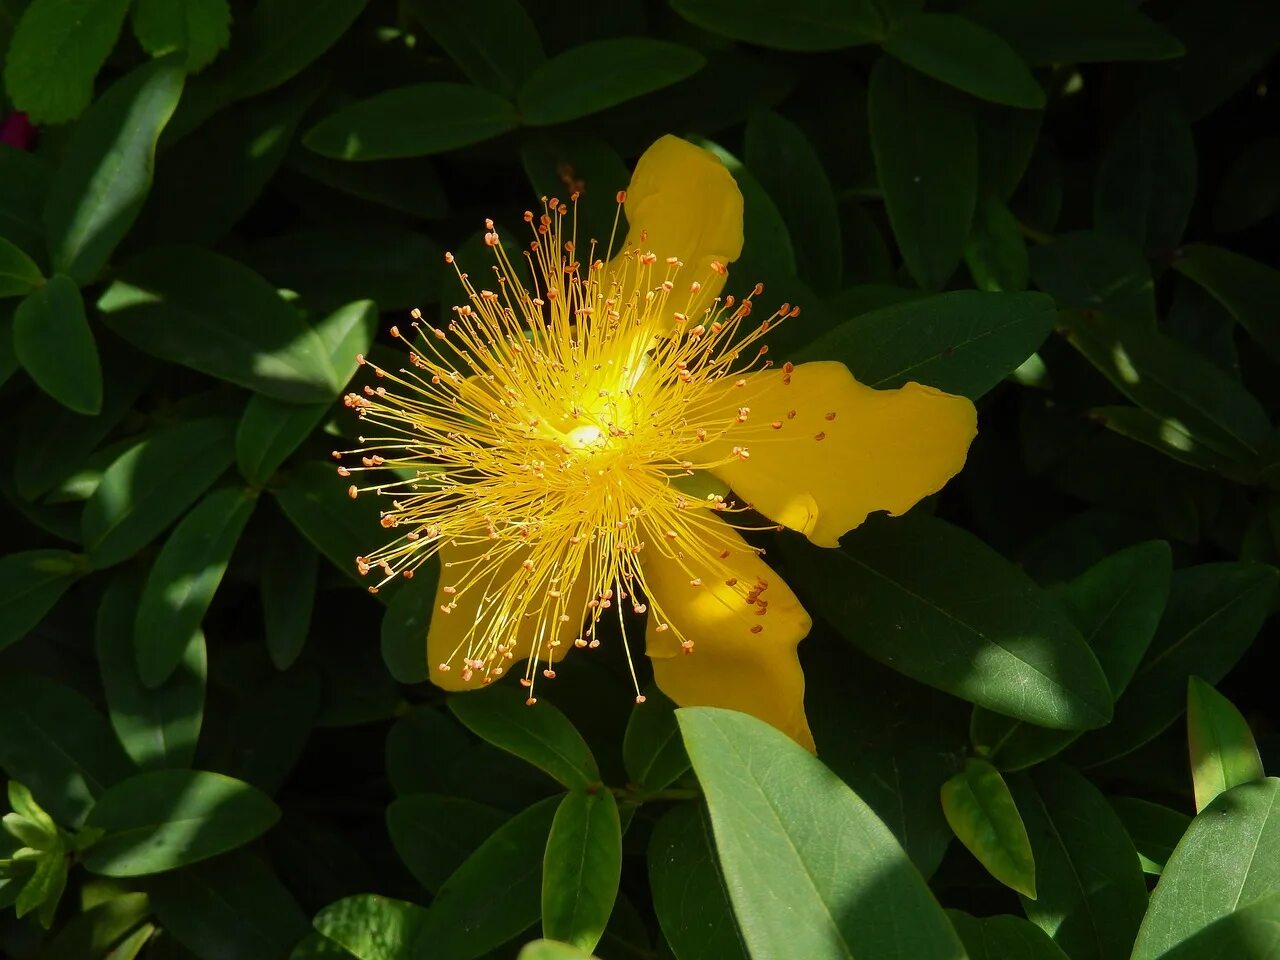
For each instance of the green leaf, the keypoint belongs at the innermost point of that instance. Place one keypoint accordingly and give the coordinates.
(56, 743)
(964, 342)
(1003, 938)
(539, 734)
(198, 29)
(1116, 604)
(689, 894)
(314, 498)
(551, 950)
(620, 68)
(288, 595)
(581, 868)
(106, 169)
(422, 747)
(1154, 829)
(789, 169)
(558, 161)
(19, 274)
(495, 894)
(183, 580)
(284, 36)
(165, 819)
(1170, 380)
(811, 871)
(371, 927)
(971, 58)
(434, 835)
(44, 887)
(405, 622)
(232, 906)
(97, 929)
(1245, 287)
(1088, 270)
(1250, 189)
(995, 251)
(1223, 753)
(1215, 610)
(806, 25)
(493, 42)
(981, 811)
(160, 727)
(926, 152)
(412, 121)
(1075, 31)
(933, 602)
(1249, 931)
(1147, 181)
(30, 584)
(56, 51)
(152, 484)
(652, 750)
(1007, 139)
(1090, 891)
(288, 705)
(1200, 884)
(202, 310)
(52, 340)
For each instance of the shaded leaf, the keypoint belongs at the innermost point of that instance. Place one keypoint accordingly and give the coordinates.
(1085, 269)
(807, 25)
(53, 342)
(1003, 938)
(1154, 829)
(652, 749)
(405, 622)
(19, 274)
(288, 594)
(1075, 31)
(198, 29)
(494, 42)
(1245, 287)
(315, 500)
(30, 584)
(434, 835)
(995, 251)
(283, 37)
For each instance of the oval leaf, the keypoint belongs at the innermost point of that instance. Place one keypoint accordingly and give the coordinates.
(811, 871)
(1223, 753)
(284, 36)
(370, 927)
(315, 500)
(982, 813)
(405, 622)
(581, 868)
(288, 593)
(1245, 287)
(797, 25)
(1154, 829)
(166, 819)
(198, 29)
(1003, 938)
(494, 42)
(19, 274)
(652, 750)
(434, 835)
(53, 342)
(30, 584)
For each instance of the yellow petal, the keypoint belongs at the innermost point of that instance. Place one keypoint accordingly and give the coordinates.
(729, 666)
(447, 638)
(879, 449)
(683, 203)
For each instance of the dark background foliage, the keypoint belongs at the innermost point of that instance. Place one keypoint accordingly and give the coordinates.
(1063, 209)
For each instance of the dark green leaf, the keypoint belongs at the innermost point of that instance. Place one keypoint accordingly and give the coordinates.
(1214, 613)
(1090, 891)
(652, 749)
(1075, 31)
(412, 121)
(183, 580)
(1154, 829)
(581, 868)
(198, 29)
(811, 871)
(926, 151)
(202, 310)
(315, 499)
(620, 68)
(1095, 271)
(540, 734)
(958, 52)
(289, 567)
(151, 485)
(286, 704)
(689, 892)
(158, 728)
(1223, 752)
(230, 908)
(558, 162)
(57, 744)
(1003, 938)
(1200, 884)
(494, 42)
(19, 274)
(422, 746)
(1007, 138)
(52, 340)
(372, 927)
(963, 342)
(982, 813)
(410, 186)
(434, 835)
(801, 25)
(98, 928)
(106, 169)
(56, 51)
(1250, 190)
(995, 251)
(26, 180)
(1245, 287)
(165, 819)
(405, 622)
(935, 603)
(283, 37)
(30, 584)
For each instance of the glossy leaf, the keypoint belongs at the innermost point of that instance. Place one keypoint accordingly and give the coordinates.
(106, 171)
(1199, 885)
(19, 274)
(158, 727)
(202, 310)
(689, 894)
(982, 813)
(412, 121)
(1086, 269)
(926, 153)
(494, 42)
(1251, 931)
(151, 485)
(1003, 938)
(158, 821)
(581, 868)
(198, 29)
(183, 580)
(652, 749)
(961, 53)
(932, 602)
(30, 584)
(52, 340)
(810, 870)
(540, 734)
(807, 25)
(1223, 752)
(1244, 286)
(1090, 892)
(371, 927)
(1154, 829)
(434, 835)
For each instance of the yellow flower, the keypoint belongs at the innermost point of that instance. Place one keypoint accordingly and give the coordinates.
(567, 443)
